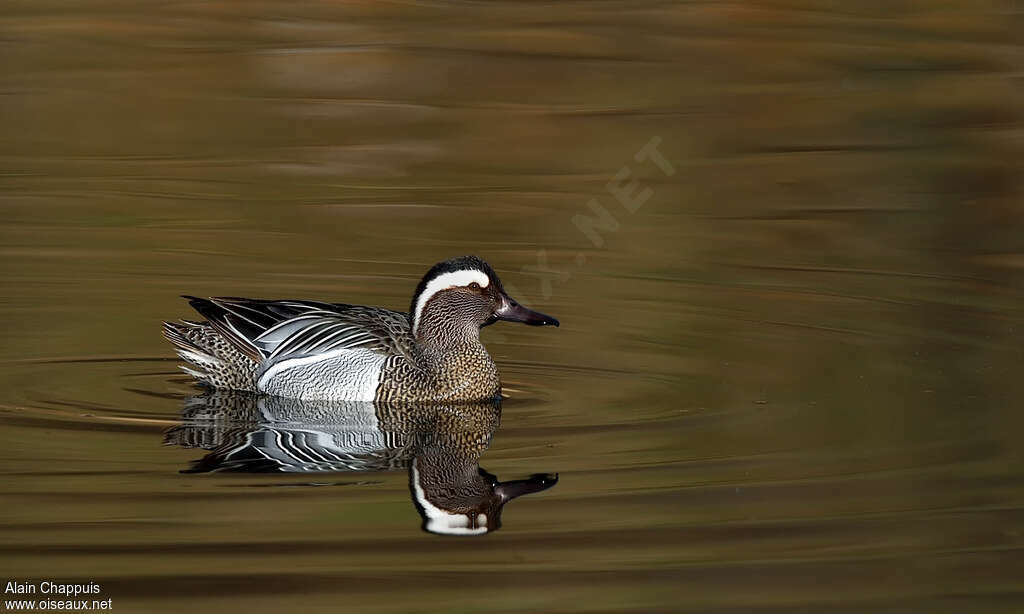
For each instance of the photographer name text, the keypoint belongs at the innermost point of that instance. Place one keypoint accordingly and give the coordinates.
(56, 596)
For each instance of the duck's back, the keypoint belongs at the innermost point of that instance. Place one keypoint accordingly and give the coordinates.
(298, 349)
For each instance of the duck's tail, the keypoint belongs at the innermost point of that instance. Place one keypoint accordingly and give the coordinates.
(211, 359)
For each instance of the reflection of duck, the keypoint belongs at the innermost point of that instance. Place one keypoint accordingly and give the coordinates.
(311, 350)
(440, 446)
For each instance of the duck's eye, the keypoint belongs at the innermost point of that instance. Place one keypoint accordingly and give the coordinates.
(474, 286)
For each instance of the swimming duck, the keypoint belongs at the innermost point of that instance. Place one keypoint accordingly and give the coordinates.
(335, 351)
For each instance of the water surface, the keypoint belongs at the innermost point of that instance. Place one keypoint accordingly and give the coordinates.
(788, 372)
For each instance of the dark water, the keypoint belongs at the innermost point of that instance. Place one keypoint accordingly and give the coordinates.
(788, 376)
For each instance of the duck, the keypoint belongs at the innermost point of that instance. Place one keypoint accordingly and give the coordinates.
(315, 350)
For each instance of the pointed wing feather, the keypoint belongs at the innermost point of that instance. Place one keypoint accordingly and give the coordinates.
(318, 332)
(230, 321)
(271, 330)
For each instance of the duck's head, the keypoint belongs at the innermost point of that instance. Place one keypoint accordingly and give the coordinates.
(466, 291)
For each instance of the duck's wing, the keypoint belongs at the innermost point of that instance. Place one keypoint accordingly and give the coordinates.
(273, 330)
(339, 327)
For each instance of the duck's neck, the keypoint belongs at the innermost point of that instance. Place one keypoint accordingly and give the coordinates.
(444, 348)
(439, 331)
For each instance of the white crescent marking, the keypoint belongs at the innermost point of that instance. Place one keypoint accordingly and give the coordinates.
(439, 520)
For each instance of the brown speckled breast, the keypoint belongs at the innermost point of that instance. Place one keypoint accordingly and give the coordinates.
(462, 374)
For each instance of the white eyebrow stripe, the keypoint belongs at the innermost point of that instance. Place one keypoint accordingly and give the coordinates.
(443, 282)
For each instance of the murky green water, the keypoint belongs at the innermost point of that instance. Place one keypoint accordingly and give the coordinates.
(788, 372)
